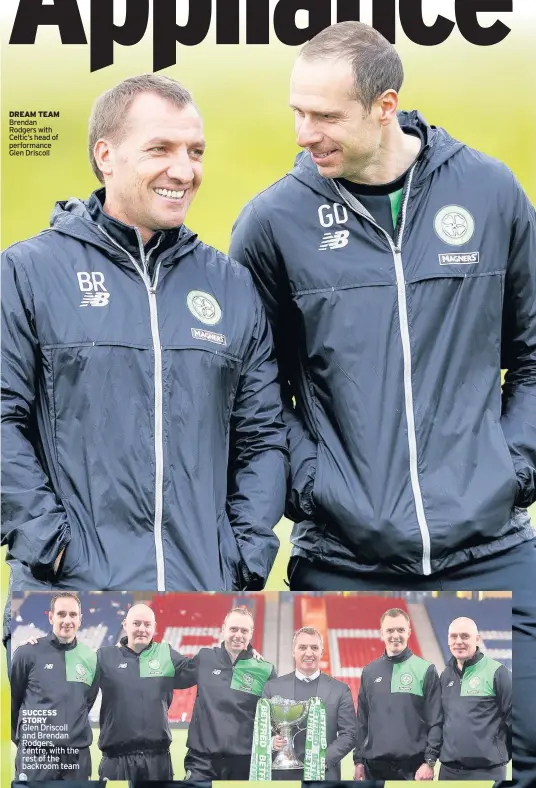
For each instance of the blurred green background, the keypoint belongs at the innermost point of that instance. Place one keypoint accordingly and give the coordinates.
(480, 94)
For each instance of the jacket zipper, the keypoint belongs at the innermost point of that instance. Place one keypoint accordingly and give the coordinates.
(158, 406)
(406, 352)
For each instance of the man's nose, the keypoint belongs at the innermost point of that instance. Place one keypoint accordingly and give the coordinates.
(306, 133)
(181, 168)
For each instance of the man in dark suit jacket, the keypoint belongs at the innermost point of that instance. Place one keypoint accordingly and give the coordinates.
(305, 682)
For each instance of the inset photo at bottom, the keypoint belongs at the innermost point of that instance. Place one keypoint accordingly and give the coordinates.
(267, 686)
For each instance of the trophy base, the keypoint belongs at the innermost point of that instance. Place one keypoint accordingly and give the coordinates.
(286, 764)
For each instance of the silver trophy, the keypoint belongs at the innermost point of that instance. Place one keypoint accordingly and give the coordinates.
(287, 714)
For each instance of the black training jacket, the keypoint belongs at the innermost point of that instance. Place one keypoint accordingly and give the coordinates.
(226, 702)
(53, 687)
(399, 712)
(141, 414)
(477, 706)
(137, 690)
(402, 453)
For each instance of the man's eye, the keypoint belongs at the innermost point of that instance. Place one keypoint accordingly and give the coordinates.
(158, 148)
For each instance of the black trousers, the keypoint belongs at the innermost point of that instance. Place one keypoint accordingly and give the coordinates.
(511, 570)
(147, 765)
(82, 759)
(199, 766)
(392, 770)
(495, 773)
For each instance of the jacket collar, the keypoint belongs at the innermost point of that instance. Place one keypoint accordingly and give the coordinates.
(128, 237)
(402, 657)
(53, 640)
(87, 222)
(468, 663)
(124, 645)
(246, 653)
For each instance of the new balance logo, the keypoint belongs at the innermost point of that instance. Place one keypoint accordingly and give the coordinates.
(91, 285)
(334, 240)
(49, 666)
(378, 679)
(122, 665)
(450, 684)
(216, 672)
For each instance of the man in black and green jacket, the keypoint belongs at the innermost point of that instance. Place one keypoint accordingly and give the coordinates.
(399, 715)
(229, 683)
(477, 703)
(53, 688)
(137, 680)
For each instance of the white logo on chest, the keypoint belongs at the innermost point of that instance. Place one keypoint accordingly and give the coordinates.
(334, 240)
(454, 225)
(91, 284)
(204, 307)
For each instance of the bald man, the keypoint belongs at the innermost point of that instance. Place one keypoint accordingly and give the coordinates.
(137, 680)
(476, 693)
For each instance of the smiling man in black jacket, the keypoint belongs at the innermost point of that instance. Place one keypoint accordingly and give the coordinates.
(141, 412)
(229, 683)
(477, 704)
(53, 688)
(398, 270)
(399, 716)
(137, 680)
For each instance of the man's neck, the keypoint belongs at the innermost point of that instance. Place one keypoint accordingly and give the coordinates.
(396, 154)
(116, 213)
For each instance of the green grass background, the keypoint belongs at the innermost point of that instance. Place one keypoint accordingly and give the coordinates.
(480, 94)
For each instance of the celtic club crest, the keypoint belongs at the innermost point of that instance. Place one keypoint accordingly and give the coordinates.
(454, 225)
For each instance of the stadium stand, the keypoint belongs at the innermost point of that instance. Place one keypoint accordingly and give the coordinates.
(493, 618)
(102, 615)
(189, 622)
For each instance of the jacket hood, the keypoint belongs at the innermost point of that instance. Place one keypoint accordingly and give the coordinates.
(86, 221)
(438, 147)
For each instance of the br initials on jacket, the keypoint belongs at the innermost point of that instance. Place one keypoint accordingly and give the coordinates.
(91, 284)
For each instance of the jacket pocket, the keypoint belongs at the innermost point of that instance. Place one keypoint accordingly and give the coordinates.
(72, 556)
(229, 555)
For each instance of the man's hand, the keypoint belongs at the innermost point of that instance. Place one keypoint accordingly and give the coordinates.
(257, 656)
(424, 772)
(29, 642)
(359, 773)
(57, 561)
(279, 743)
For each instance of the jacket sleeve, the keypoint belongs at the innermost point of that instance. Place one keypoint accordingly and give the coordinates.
(502, 684)
(258, 461)
(346, 730)
(20, 671)
(518, 348)
(253, 245)
(34, 523)
(95, 686)
(267, 690)
(186, 670)
(434, 712)
(362, 723)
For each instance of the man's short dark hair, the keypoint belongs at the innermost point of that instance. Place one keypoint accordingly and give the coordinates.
(110, 110)
(393, 612)
(64, 595)
(375, 62)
